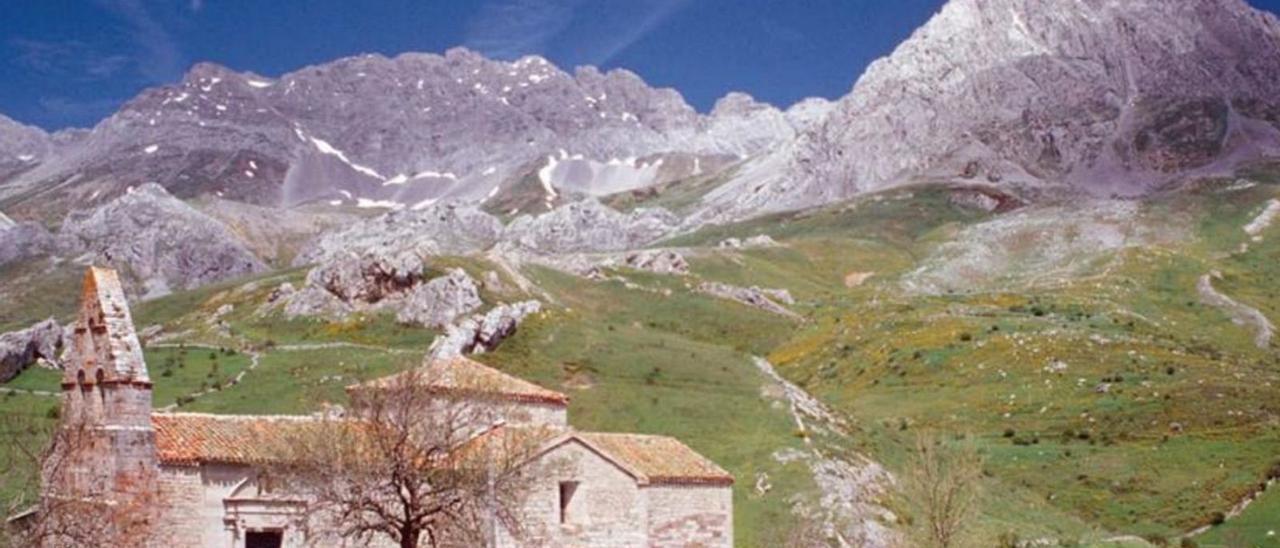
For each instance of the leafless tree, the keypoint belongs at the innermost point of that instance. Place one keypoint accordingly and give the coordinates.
(943, 482)
(407, 465)
(38, 467)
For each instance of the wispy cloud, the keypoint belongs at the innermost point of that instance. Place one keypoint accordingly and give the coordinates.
(71, 59)
(655, 12)
(197, 5)
(159, 58)
(507, 29)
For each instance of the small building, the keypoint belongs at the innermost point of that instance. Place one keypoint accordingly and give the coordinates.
(588, 489)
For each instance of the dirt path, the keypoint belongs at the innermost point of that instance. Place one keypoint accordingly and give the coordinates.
(1241, 314)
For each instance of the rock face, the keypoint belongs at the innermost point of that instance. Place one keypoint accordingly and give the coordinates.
(482, 333)
(589, 226)
(369, 278)
(1106, 96)
(22, 240)
(20, 349)
(374, 130)
(158, 240)
(437, 230)
(440, 301)
(373, 282)
(21, 147)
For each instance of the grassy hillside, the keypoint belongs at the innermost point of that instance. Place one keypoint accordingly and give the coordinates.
(1106, 397)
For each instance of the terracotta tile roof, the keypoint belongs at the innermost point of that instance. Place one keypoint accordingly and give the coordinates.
(191, 439)
(659, 459)
(467, 377)
(651, 460)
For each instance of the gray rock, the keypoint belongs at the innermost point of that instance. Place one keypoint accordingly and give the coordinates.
(764, 299)
(589, 226)
(368, 278)
(20, 241)
(20, 349)
(659, 261)
(483, 333)
(440, 301)
(159, 241)
(437, 230)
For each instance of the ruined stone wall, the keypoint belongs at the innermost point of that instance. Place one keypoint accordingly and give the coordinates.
(690, 515)
(606, 511)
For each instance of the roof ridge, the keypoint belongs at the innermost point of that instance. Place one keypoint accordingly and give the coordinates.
(298, 418)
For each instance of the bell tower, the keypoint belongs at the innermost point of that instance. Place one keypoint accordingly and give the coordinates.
(108, 441)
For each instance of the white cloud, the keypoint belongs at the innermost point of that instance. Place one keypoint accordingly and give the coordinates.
(507, 29)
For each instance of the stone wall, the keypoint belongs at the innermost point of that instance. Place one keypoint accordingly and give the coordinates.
(690, 515)
(606, 511)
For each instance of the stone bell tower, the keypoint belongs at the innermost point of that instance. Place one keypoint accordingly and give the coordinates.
(107, 439)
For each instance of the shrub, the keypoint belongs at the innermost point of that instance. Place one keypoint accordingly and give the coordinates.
(1009, 433)
(1217, 518)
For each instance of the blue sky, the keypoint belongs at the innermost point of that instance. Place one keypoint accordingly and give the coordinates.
(72, 62)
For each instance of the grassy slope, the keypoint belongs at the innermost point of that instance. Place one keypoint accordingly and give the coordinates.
(1106, 459)
(1063, 460)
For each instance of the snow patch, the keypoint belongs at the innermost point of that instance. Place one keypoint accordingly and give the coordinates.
(335, 202)
(383, 204)
(436, 175)
(248, 174)
(221, 108)
(397, 180)
(259, 84)
(424, 204)
(25, 157)
(326, 148)
(151, 149)
(490, 171)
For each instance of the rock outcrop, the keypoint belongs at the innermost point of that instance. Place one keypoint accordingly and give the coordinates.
(20, 349)
(483, 332)
(158, 241)
(764, 299)
(440, 301)
(23, 240)
(437, 230)
(373, 282)
(589, 226)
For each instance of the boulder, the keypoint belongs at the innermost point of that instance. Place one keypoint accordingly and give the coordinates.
(20, 349)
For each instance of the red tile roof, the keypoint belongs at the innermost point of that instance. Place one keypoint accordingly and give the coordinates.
(658, 459)
(188, 439)
(466, 377)
(651, 460)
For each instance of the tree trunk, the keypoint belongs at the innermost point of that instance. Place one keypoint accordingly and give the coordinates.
(409, 537)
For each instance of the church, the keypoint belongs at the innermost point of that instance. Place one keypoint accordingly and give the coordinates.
(200, 475)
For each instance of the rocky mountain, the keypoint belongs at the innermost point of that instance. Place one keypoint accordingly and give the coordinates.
(1107, 96)
(160, 242)
(382, 132)
(21, 147)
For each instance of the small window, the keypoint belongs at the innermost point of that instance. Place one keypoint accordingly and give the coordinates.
(264, 539)
(567, 490)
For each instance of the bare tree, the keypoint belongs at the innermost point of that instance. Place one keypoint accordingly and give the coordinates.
(942, 482)
(38, 471)
(410, 466)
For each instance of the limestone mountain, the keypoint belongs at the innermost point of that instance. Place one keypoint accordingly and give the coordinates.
(376, 131)
(1106, 96)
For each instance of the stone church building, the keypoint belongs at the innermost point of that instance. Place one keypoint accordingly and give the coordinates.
(622, 490)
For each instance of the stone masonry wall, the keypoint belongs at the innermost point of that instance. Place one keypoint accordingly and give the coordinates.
(607, 511)
(690, 515)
